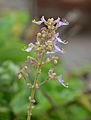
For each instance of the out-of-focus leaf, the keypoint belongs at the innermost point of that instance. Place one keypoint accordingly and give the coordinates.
(12, 25)
(20, 102)
(42, 104)
(77, 112)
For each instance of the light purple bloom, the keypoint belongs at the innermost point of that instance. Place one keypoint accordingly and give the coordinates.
(49, 53)
(60, 23)
(51, 73)
(31, 61)
(39, 22)
(51, 69)
(30, 47)
(57, 38)
(57, 49)
(57, 20)
(61, 81)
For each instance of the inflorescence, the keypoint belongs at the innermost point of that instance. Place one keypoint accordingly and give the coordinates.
(47, 49)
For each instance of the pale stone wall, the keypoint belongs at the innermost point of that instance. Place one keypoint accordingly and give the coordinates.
(14, 4)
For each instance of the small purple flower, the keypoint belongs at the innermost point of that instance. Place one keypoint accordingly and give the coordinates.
(61, 81)
(57, 20)
(57, 38)
(30, 47)
(49, 53)
(60, 23)
(39, 22)
(31, 61)
(57, 49)
(50, 70)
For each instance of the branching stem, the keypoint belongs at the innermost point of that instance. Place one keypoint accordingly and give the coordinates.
(34, 88)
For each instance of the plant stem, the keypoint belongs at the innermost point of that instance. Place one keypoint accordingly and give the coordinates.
(34, 88)
(44, 81)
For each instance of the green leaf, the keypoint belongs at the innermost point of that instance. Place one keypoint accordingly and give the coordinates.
(20, 102)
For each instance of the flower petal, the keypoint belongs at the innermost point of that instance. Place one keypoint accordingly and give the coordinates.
(51, 69)
(56, 35)
(61, 81)
(59, 77)
(48, 53)
(60, 23)
(56, 38)
(65, 85)
(59, 40)
(57, 20)
(31, 61)
(31, 45)
(39, 22)
(28, 49)
(43, 19)
(57, 49)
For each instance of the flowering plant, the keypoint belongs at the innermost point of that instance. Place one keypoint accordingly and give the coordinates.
(47, 49)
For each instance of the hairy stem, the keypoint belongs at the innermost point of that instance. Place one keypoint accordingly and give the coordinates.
(34, 88)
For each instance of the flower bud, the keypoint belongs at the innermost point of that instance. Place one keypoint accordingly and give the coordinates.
(29, 97)
(37, 86)
(55, 61)
(43, 35)
(32, 106)
(48, 60)
(33, 101)
(19, 75)
(39, 34)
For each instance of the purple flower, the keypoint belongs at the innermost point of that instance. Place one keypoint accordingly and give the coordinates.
(57, 20)
(31, 61)
(57, 38)
(30, 47)
(57, 49)
(60, 23)
(49, 53)
(39, 22)
(61, 81)
(51, 69)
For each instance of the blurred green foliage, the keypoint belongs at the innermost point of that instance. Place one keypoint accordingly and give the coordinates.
(12, 25)
(54, 102)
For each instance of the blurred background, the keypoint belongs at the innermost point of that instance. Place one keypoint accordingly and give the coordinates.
(54, 102)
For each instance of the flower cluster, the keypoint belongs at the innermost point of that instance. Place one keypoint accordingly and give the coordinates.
(52, 75)
(47, 49)
(47, 38)
(47, 42)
